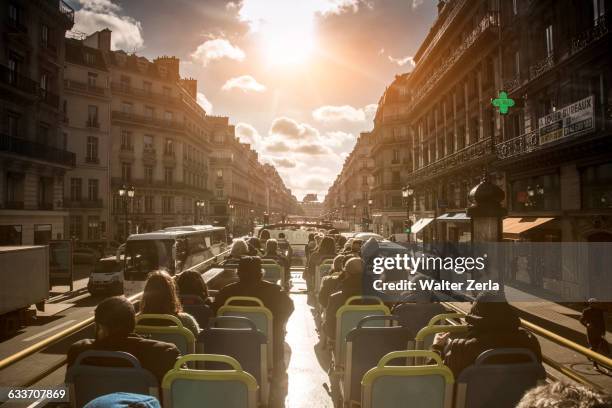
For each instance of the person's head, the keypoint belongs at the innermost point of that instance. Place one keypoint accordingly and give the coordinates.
(491, 311)
(340, 241)
(254, 242)
(353, 267)
(264, 235)
(114, 317)
(566, 395)
(311, 237)
(348, 244)
(338, 263)
(191, 283)
(159, 295)
(281, 235)
(327, 246)
(318, 239)
(271, 246)
(249, 269)
(239, 248)
(356, 245)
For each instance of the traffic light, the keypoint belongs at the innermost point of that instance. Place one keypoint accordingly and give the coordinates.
(407, 226)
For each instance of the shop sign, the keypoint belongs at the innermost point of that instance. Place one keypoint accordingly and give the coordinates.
(571, 120)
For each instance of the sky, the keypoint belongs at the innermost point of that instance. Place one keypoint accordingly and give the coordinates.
(298, 78)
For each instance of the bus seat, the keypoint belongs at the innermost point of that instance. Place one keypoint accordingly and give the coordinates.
(415, 316)
(365, 346)
(257, 313)
(273, 272)
(349, 315)
(425, 336)
(88, 378)
(320, 271)
(443, 318)
(424, 386)
(231, 388)
(245, 343)
(171, 330)
(196, 307)
(498, 384)
(265, 261)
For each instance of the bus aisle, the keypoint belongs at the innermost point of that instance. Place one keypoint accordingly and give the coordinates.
(306, 375)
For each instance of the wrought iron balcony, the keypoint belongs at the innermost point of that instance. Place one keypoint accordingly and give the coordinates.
(143, 93)
(84, 87)
(146, 120)
(600, 28)
(541, 66)
(17, 80)
(516, 146)
(66, 11)
(27, 148)
(511, 84)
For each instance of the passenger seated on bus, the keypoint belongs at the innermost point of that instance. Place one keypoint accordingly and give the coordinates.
(340, 241)
(252, 284)
(160, 297)
(493, 323)
(264, 235)
(239, 249)
(331, 283)
(566, 395)
(254, 245)
(351, 285)
(355, 247)
(272, 253)
(115, 319)
(284, 247)
(327, 250)
(191, 283)
(310, 246)
(416, 308)
(123, 400)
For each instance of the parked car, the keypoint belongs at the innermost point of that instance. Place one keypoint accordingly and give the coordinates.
(107, 277)
(367, 235)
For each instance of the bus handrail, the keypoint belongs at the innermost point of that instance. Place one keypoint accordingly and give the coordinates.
(12, 359)
(555, 338)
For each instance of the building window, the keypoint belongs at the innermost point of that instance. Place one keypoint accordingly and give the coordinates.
(44, 35)
(76, 189)
(219, 193)
(42, 234)
(395, 177)
(169, 147)
(92, 150)
(126, 171)
(127, 107)
(219, 173)
(596, 182)
(148, 143)
(76, 226)
(91, 79)
(148, 204)
(167, 205)
(14, 190)
(126, 140)
(45, 193)
(148, 171)
(549, 40)
(13, 14)
(90, 59)
(92, 190)
(598, 11)
(396, 157)
(149, 112)
(93, 227)
(515, 7)
(147, 86)
(536, 193)
(125, 83)
(168, 116)
(10, 235)
(168, 175)
(12, 125)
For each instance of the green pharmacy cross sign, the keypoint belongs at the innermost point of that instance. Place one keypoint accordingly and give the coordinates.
(502, 102)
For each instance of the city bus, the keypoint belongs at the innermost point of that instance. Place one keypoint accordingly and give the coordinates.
(173, 249)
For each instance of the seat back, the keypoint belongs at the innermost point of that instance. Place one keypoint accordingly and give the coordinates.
(273, 272)
(442, 319)
(198, 309)
(349, 315)
(171, 330)
(322, 270)
(231, 388)
(365, 346)
(498, 384)
(415, 316)
(427, 386)
(425, 336)
(246, 344)
(91, 376)
(260, 315)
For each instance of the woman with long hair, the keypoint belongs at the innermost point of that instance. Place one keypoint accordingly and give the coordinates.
(191, 283)
(160, 297)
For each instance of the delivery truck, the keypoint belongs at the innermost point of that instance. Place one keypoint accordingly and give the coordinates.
(24, 281)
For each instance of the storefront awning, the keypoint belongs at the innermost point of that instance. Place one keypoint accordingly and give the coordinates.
(513, 227)
(420, 224)
(460, 216)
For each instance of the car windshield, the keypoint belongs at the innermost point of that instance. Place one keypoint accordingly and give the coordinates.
(108, 266)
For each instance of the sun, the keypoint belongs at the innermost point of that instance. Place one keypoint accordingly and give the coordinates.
(291, 41)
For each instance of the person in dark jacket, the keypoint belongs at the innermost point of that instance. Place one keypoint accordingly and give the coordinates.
(493, 324)
(331, 283)
(327, 250)
(284, 246)
(352, 285)
(251, 284)
(254, 245)
(594, 320)
(115, 320)
(272, 253)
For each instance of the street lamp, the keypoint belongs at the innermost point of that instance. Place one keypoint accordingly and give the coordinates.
(231, 217)
(354, 214)
(368, 213)
(126, 193)
(200, 204)
(407, 192)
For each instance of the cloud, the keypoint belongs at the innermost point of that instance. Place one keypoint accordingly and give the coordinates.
(248, 134)
(408, 60)
(94, 15)
(217, 49)
(290, 129)
(205, 103)
(416, 3)
(340, 140)
(316, 183)
(312, 149)
(245, 83)
(286, 163)
(277, 146)
(331, 113)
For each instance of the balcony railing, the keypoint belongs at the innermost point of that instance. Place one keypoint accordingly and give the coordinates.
(146, 120)
(509, 85)
(45, 206)
(84, 87)
(35, 150)
(541, 66)
(475, 151)
(92, 123)
(600, 28)
(489, 22)
(14, 205)
(83, 203)
(143, 93)
(49, 98)
(66, 11)
(16, 26)
(17, 81)
(522, 144)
